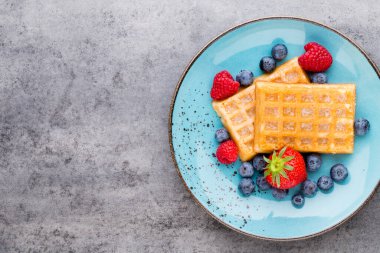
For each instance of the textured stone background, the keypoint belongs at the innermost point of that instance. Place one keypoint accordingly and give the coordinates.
(85, 88)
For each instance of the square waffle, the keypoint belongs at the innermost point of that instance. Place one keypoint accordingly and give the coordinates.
(289, 72)
(237, 112)
(309, 118)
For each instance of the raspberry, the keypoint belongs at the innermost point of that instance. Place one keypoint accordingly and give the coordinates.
(224, 86)
(227, 152)
(223, 74)
(316, 58)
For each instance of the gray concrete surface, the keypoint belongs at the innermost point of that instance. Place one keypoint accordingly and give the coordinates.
(85, 88)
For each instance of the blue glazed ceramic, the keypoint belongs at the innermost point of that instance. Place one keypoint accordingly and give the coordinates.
(193, 123)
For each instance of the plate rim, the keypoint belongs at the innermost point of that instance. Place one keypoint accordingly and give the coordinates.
(170, 125)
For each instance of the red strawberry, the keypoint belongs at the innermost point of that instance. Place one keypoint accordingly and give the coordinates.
(224, 86)
(285, 169)
(316, 58)
(227, 152)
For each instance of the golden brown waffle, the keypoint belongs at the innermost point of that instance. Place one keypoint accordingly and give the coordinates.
(309, 118)
(289, 72)
(237, 112)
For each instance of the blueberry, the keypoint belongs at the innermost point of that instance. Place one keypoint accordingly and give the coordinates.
(245, 77)
(298, 200)
(279, 194)
(313, 162)
(361, 126)
(338, 172)
(267, 64)
(279, 52)
(325, 183)
(259, 163)
(246, 170)
(309, 188)
(319, 78)
(246, 186)
(221, 135)
(262, 183)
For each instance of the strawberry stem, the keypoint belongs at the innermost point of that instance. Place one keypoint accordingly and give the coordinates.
(277, 166)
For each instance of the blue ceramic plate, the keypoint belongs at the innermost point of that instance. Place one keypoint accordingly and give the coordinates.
(193, 123)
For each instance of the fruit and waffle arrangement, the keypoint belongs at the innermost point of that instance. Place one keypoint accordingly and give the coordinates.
(238, 111)
(280, 122)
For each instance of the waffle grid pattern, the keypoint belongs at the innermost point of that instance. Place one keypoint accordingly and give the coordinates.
(237, 115)
(289, 72)
(310, 118)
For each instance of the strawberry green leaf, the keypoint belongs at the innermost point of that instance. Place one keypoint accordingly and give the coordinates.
(277, 180)
(288, 167)
(266, 159)
(273, 179)
(283, 173)
(288, 158)
(282, 152)
(266, 173)
(274, 156)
